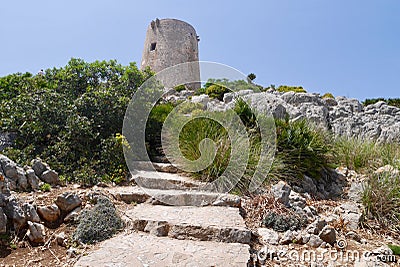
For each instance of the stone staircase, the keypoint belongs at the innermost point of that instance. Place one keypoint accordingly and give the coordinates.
(174, 223)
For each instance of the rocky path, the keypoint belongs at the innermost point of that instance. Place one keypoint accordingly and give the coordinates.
(173, 223)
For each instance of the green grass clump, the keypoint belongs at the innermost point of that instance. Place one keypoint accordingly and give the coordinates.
(99, 223)
(381, 199)
(189, 142)
(302, 149)
(364, 155)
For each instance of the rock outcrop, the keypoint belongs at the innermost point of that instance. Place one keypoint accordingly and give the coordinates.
(343, 116)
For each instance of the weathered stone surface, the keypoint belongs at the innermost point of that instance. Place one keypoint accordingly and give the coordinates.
(22, 181)
(50, 177)
(33, 180)
(314, 241)
(288, 237)
(49, 213)
(167, 181)
(157, 228)
(3, 222)
(202, 99)
(354, 236)
(39, 167)
(14, 212)
(9, 168)
(342, 115)
(136, 194)
(268, 236)
(281, 192)
(36, 232)
(200, 223)
(350, 213)
(73, 215)
(316, 227)
(30, 212)
(4, 186)
(61, 239)
(308, 185)
(296, 200)
(163, 251)
(310, 212)
(68, 201)
(328, 234)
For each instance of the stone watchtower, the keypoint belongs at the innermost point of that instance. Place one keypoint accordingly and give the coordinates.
(169, 42)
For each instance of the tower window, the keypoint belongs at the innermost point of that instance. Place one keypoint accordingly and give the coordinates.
(153, 46)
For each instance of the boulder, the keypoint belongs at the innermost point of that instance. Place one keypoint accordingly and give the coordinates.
(4, 185)
(315, 241)
(308, 185)
(73, 215)
(288, 238)
(281, 192)
(202, 99)
(61, 239)
(10, 169)
(49, 213)
(22, 181)
(50, 177)
(316, 227)
(68, 201)
(3, 222)
(39, 166)
(14, 212)
(30, 212)
(268, 236)
(33, 180)
(350, 213)
(296, 200)
(36, 232)
(328, 234)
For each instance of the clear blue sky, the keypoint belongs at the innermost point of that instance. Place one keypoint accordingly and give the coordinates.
(349, 48)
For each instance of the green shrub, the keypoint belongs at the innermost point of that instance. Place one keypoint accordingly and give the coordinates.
(381, 199)
(395, 249)
(180, 88)
(45, 187)
(296, 89)
(217, 91)
(99, 223)
(283, 222)
(69, 116)
(328, 95)
(154, 125)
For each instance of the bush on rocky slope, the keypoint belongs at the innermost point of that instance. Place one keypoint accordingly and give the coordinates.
(70, 117)
(99, 223)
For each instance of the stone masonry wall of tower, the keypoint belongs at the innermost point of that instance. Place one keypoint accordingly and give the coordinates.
(169, 42)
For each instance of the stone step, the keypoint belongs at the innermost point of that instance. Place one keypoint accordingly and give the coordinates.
(130, 194)
(161, 167)
(167, 181)
(141, 249)
(223, 224)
